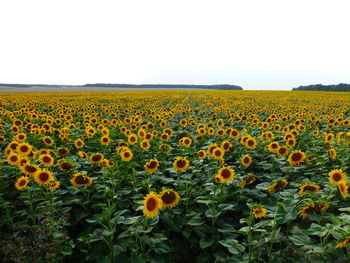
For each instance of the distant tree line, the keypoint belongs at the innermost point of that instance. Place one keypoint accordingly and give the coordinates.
(320, 87)
(167, 86)
(151, 86)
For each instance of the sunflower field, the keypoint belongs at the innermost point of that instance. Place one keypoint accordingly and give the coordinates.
(175, 176)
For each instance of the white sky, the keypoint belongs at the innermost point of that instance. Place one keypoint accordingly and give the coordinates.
(261, 44)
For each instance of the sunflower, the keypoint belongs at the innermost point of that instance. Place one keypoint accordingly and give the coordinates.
(64, 165)
(343, 243)
(47, 141)
(29, 169)
(24, 149)
(151, 205)
(278, 185)
(220, 132)
(226, 146)
(211, 148)
(211, 131)
(148, 136)
(336, 176)
(164, 136)
(22, 183)
(151, 166)
(282, 151)
(82, 155)
(201, 154)
(79, 143)
(43, 177)
(247, 180)
(132, 139)
(166, 148)
(110, 163)
(234, 133)
(259, 212)
(329, 138)
(218, 153)
(201, 131)
(290, 141)
(181, 164)
(20, 137)
(296, 158)
(62, 151)
(183, 122)
(185, 141)
(343, 188)
(273, 146)
(80, 179)
(2, 139)
(332, 153)
(13, 158)
(96, 158)
(313, 207)
(246, 160)
(145, 145)
(250, 143)
(169, 198)
(105, 140)
(141, 133)
(312, 187)
(126, 155)
(54, 185)
(226, 174)
(46, 160)
(308, 209)
(22, 161)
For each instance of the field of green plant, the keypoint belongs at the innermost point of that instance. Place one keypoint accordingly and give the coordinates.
(175, 176)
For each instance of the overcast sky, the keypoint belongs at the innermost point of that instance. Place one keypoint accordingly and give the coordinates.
(261, 44)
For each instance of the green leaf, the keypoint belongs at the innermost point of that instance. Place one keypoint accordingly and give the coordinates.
(131, 220)
(301, 240)
(233, 246)
(225, 207)
(195, 221)
(212, 213)
(317, 230)
(205, 243)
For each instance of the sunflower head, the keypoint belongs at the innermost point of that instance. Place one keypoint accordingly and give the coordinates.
(278, 185)
(273, 146)
(250, 143)
(169, 198)
(46, 160)
(201, 154)
(24, 149)
(181, 164)
(126, 155)
(246, 160)
(96, 158)
(332, 153)
(80, 179)
(218, 153)
(22, 183)
(152, 166)
(296, 158)
(13, 158)
(311, 187)
(226, 174)
(282, 151)
(259, 212)
(145, 144)
(151, 205)
(336, 176)
(343, 188)
(43, 177)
